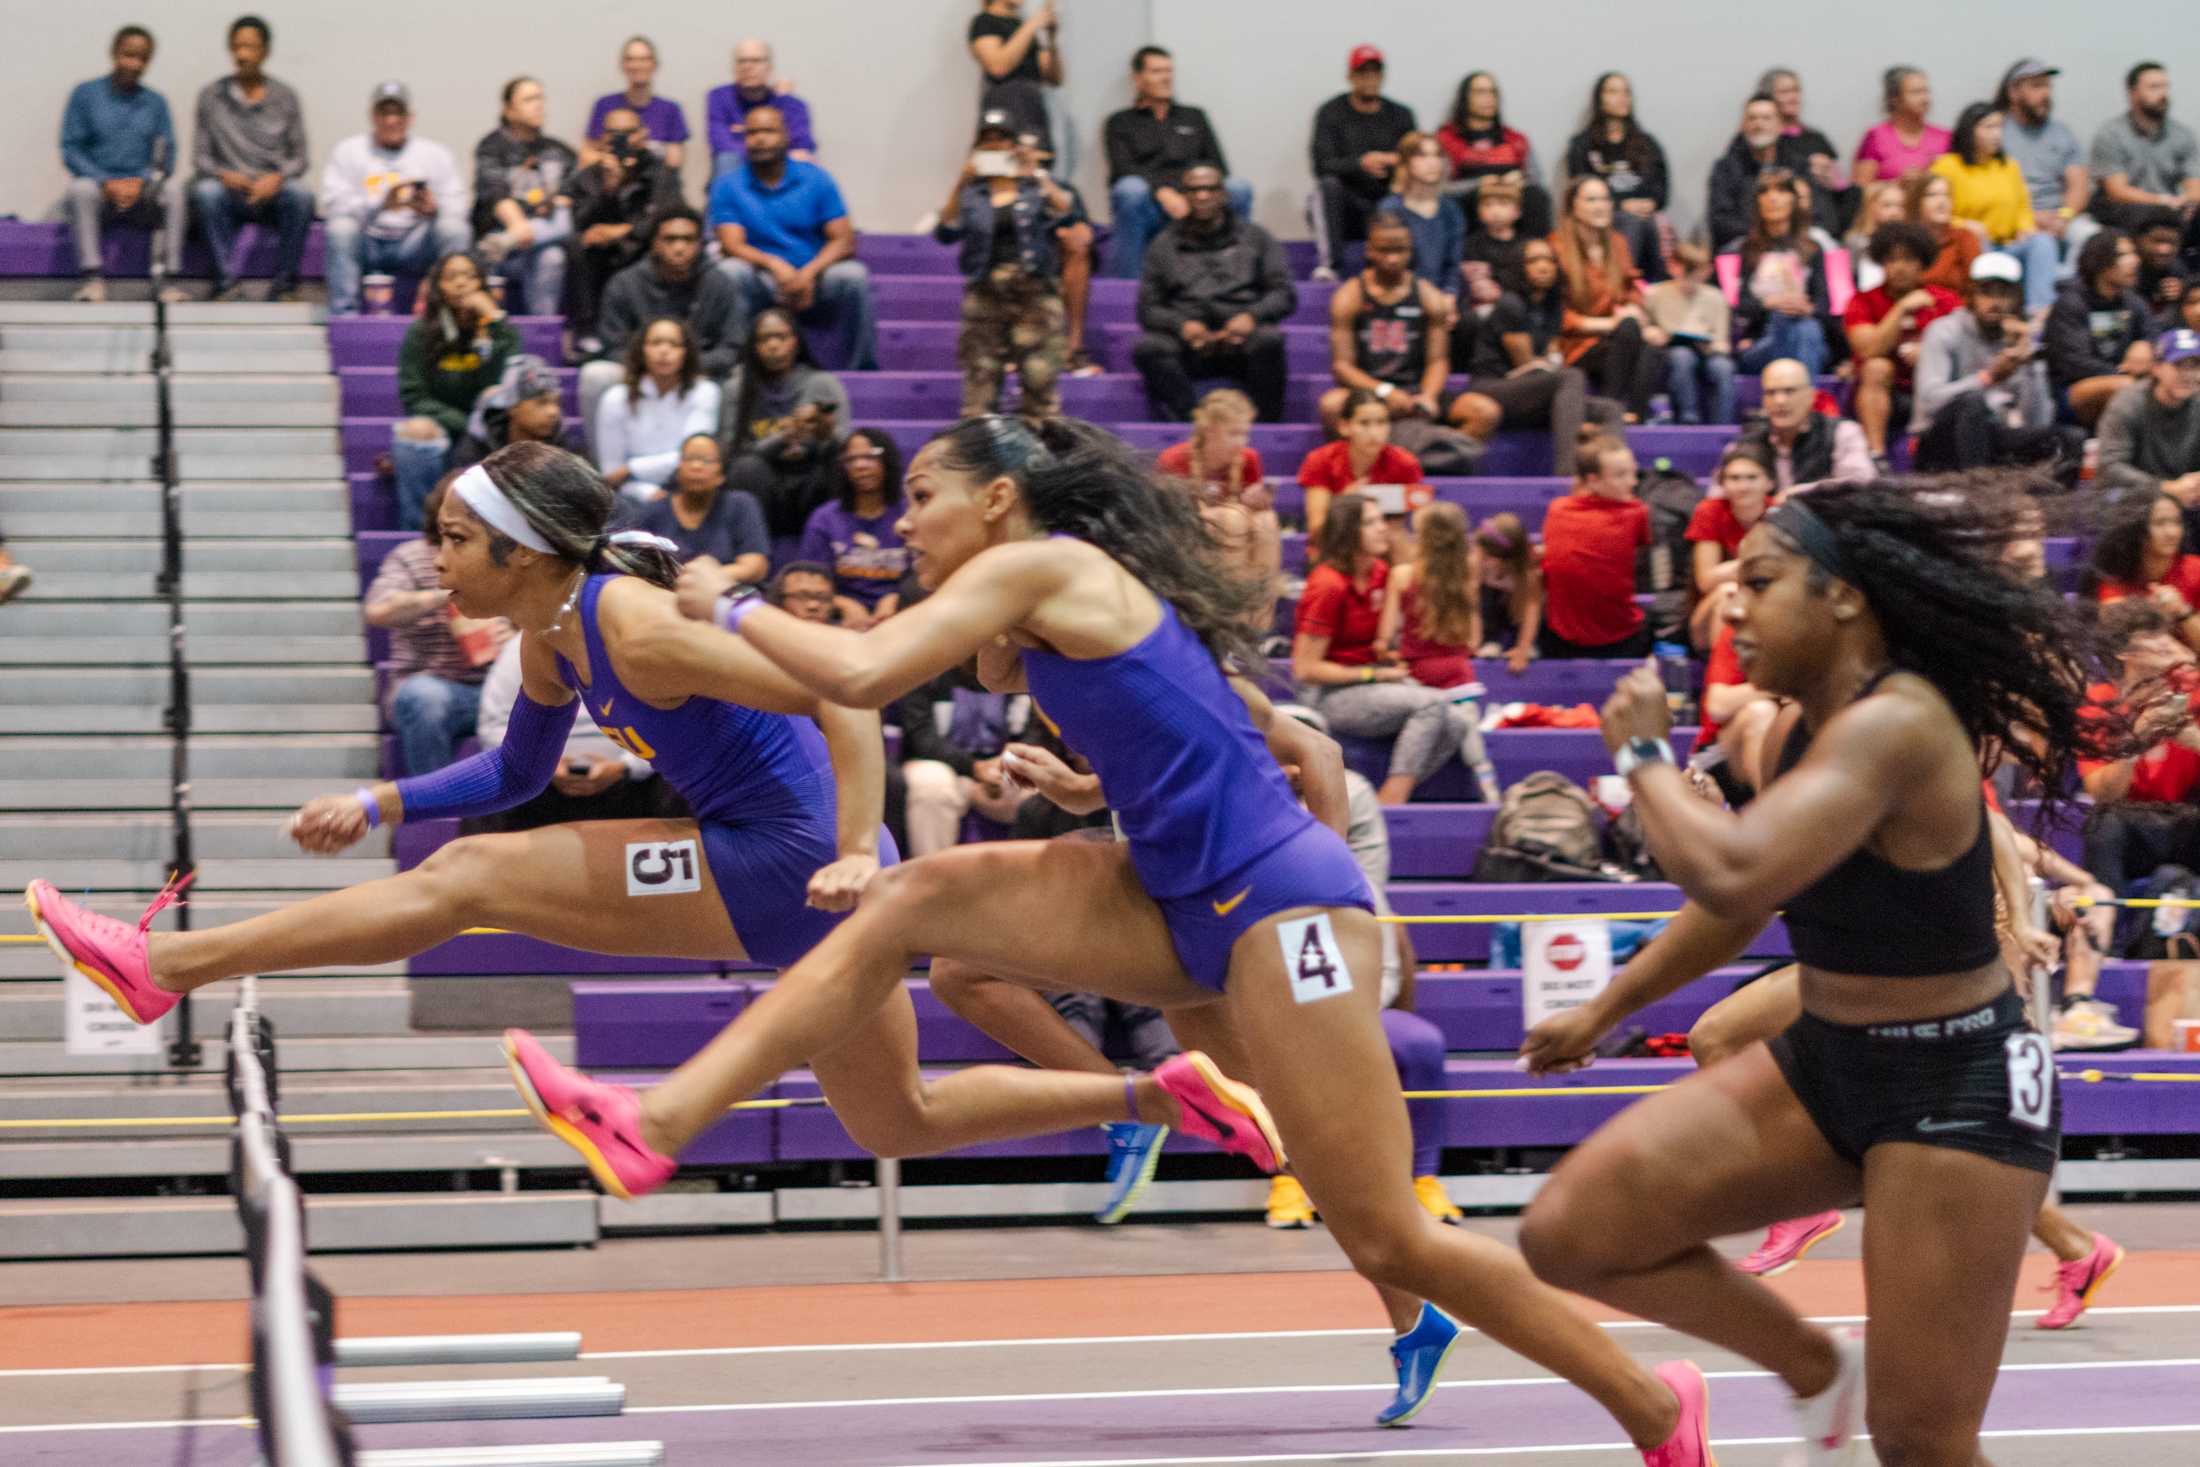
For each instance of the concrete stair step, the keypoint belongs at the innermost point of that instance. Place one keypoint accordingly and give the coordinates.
(202, 556)
(341, 1223)
(271, 526)
(185, 314)
(139, 442)
(302, 1054)
(81, 587)
(204, 618)
(230, 873)
(300, 356)
(215, 718)
(350, 757)
(126, 338)
(145, 413)
(249, 497)
(310, 1155)
(185, 392)
(145, 649)
(301, 1008)
(210, 688)
(146, 837)
(151, 793)
(225, 462)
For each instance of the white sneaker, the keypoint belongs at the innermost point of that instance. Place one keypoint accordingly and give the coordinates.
(14, 580)
(93, 290)
(2091, 1024)
(1323, 275)
(1832, 1422)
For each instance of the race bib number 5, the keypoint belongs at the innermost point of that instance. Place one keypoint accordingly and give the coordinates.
(2031, 1080)
(662, 868)
(1312, 958)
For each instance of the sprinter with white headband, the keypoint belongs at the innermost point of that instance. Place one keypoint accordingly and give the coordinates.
(781, 847)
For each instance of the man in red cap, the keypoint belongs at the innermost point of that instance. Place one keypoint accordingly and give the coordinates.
(1356, 137)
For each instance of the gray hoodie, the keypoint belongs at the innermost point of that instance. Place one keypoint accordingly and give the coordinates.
(2143, 443)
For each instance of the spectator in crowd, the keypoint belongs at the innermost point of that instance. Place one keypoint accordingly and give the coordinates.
(671, 281)
(2150, 431)
(804, 588)
(1982, 399)
(1429, 623)
(2096, 333)
(390, 202)
(1219, 456)
(1589, 542)
(1692, 316)
(595, 779)
(1344, 675)
(1886, 325)
(1362, 456)
(1758, 146)
(14, 579)
(727, 108)
(2141, 556)
(1212, 299)
(1517, 366)
(1885, 202)
(623, 187)
(1019, 59)
(1833, 197)
(1613, 147)
(2162, 275)
(1741, 492)
(2144, 158)
(788, 241)
(659, 123)
(1492, 256)
(1438, 227)
(664, 401)
(1905, 143)
(784, 422)
(1928, 200)
(454, 350)
(434, 690)
(1150, 143)
(717, 528)
(854, 534)
(1783, 307)
(1805, 445)
(119, 145)
(1355, 150)
(1006, 214)
(249, 151)
(1987, 189)
(1480, 147)
(2047, 153)
(1389, 334)
(1603, 328)
(526, 406)
(1508, 590)
(952, 733)
(523, 180)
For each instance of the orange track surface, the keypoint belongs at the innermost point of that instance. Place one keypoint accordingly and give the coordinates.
(56, 1336)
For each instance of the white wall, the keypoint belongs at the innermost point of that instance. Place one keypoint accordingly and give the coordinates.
(894, 89)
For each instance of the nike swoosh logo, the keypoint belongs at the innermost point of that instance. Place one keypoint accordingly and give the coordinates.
(1224, 909)
(607, 707)
(1223, 1129)
(1929, 1125)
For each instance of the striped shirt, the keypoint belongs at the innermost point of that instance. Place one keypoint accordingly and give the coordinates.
(424, 645)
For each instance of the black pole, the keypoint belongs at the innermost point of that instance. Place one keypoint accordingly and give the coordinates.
(183, 1048)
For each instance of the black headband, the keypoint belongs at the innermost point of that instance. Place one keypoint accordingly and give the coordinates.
(1818, 543)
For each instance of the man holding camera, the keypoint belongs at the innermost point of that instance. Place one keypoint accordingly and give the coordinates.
(1982, 398)
(613, 198)
(390, 202)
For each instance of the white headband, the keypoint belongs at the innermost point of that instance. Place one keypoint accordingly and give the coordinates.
(643, 537)
(485, 499)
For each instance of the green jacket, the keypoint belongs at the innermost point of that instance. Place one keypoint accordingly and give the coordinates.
(443, 385)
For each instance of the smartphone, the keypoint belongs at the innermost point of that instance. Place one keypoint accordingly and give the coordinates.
(993, 164)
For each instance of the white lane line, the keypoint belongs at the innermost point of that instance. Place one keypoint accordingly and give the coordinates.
(129, 1425)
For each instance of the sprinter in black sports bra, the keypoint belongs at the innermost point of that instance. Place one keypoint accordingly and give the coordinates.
(1911, 1081)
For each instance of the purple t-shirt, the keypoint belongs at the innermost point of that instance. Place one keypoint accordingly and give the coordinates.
(867, 557)
(663, 117)
(726, 109)
(1895, 157)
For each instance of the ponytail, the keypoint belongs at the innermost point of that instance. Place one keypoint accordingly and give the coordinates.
(567, 503)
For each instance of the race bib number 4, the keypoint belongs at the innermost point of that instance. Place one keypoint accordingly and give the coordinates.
(663, 868)
(1312, 958)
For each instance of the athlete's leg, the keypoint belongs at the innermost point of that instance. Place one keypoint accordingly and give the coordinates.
(566, 884)
(1943, 1239)
(1748, 1015)
(1031, 910)
(2061, 1233)
(1343, 1118)
(1020, 1019)
(1627, 1216)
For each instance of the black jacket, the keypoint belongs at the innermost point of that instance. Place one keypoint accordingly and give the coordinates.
(534, 173)
(1813, 456)
(1734, 186)
(647, 187)
(2087, 336)
(1633, 169)
(1159, 150)
(1751, 316)
(708, 301)
(1343, 133)
(1212, 277)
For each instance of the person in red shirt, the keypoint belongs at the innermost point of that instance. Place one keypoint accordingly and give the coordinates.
(2141, 553)
(1742, 489)
(2146, 816)
(1885, 323)
(1589, 542)
(1234, 496)
(1359, 690)
(1364, 455)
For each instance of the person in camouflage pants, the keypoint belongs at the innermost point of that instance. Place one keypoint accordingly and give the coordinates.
(1012, 316)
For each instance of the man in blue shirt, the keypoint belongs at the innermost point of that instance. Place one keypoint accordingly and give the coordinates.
(787, 241)
(110, 132)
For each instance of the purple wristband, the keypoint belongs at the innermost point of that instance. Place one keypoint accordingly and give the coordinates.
(371, 805)
(733, 609)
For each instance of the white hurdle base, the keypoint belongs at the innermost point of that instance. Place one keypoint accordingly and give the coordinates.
(380, 1350)
(585, 1454)
(479, 1400)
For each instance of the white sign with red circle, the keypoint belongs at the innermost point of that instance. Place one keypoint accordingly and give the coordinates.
(1563, 966)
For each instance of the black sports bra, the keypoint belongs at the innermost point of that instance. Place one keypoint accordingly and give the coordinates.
(1876, 919)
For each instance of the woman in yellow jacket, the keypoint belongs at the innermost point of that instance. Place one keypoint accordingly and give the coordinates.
(1987, 189)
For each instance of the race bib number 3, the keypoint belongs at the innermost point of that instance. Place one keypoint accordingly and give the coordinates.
(663, 868)
(1312, 958)
(2031, 1080)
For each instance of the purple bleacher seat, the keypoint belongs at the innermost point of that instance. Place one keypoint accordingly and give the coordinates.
(649, 1026)
(1480, 497)
(45, 248)
(915, 298)
(1579, 754)
(371, 392)
(365, 440)
(1470, 942)
(372, 341)
(920, 254)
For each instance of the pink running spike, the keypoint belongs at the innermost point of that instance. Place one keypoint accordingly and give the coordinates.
(1786, 1242)
(2076, 1283)
(1690, 1443)
(602, 1122)
(110, 952)
(1218, 1109)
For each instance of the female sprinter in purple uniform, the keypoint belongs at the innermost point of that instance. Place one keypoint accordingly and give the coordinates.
(773, 860)
(1911, 1080)
(1059, 543)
